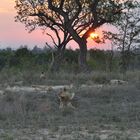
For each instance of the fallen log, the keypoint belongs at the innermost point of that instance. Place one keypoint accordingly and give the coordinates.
(118, 82)
(19, 89)
(37, 88)
(92, 86)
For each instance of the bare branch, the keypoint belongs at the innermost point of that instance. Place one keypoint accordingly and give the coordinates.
(52, 39)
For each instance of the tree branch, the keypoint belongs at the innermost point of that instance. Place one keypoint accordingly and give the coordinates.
(61, 4)
(78, 11)
(52, 39)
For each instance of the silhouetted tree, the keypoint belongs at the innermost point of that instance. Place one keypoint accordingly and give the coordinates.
(21, 52)
(74, 18)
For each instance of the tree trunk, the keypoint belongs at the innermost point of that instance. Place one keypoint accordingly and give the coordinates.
(123, 62)
(56, 61)
(83, 55)
(83, 48)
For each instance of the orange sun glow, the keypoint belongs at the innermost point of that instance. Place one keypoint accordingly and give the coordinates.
(94, 35)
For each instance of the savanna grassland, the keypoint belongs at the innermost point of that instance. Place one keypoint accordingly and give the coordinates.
(103, 111)
(109, 112)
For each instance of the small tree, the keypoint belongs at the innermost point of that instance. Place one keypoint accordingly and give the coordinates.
(59, 47)
(128, 35)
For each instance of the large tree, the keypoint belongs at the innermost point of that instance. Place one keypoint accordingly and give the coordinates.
(77, 18)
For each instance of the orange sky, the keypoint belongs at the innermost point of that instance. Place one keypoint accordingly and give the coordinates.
(13, 34)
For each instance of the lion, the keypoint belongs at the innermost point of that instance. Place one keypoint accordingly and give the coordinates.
(42, 75)
(65, 98)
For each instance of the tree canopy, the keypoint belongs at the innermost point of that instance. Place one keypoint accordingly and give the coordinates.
(81, 15)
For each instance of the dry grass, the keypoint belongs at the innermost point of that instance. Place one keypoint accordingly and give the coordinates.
(109, 113)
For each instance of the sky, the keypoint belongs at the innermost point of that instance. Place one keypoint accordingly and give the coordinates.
(13, 34)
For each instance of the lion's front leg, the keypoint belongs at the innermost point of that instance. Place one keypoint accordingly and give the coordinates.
(61, 104)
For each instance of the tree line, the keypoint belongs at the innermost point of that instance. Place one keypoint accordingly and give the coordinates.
(41, 60)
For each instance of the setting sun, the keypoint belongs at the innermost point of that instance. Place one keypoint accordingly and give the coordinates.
(94, 35)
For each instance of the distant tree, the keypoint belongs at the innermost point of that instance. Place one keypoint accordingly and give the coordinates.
(22, 52)
(74, 18)
(110, 58)
(5, 56)
(36, 50)
(2, 62)
(128, 34)
(14, 61)
(99, 57)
